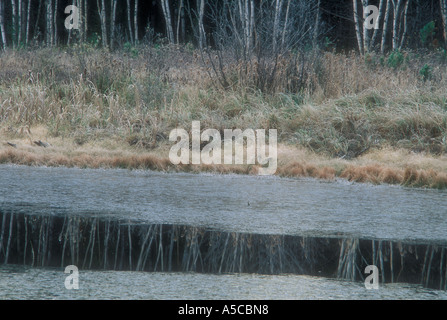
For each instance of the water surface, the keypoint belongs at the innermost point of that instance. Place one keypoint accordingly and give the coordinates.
(230, 202)
(36, 284)
(248, 204)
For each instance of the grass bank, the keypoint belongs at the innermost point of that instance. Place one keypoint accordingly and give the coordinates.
(368, 119)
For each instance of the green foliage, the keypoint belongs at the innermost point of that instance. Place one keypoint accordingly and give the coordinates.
(395, 60)
(131, 49)
(327, 43)
(127, 46)
(427, 32)
(189, 47)
(95, 40)
(426, 72)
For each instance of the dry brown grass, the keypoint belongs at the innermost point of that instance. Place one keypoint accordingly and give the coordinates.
(375, 167)
(406, 177)
(362, 121)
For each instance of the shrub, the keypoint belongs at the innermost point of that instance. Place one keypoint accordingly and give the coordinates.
(426, 72)
(395, 60)
(427, 32)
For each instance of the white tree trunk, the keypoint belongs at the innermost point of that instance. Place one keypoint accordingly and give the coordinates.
(73, 3)
(252, 24)
(247, 27)
(232, 12)
(168, 20)
(102, 16)
(49, 23)
(397, 5)
(2, 24)
(202, 36)
(113, 23)
(278, 9)
(366, 35)
(405, 31)
(444, 18)
(14, 22)
(19, 22)
(55, 22)
(82, 20)
(386, 26)
(135, 21)
(358, 31)
(382, 9)
(180, 21)
(286, 22)
(129, 23)
(28, 22)
(85, 20)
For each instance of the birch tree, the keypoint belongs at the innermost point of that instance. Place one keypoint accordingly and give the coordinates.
(405, 25)
(397, 7)
(276, 23)
(113, 24)
(386, 25)
(102, 16)
(202, 36)
(168, 21)
(2, 24)
(129, 23)
(19, 22)
(85, 24)
(28, 21)
(286, 22)
(243, 23)
(382, 10)
(82, 20)
(181, 22)
(49, 23)
(14, 22)
(136, 21)
(444, 19)
(55, 22)
(366, 33)
(398, 10)
(73, 3)
(358, 30)
(252, 23)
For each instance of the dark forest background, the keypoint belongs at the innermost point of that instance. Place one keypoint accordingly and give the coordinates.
(114, 23)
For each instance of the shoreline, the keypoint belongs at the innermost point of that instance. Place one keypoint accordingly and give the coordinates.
(379, 125)
(377, 166)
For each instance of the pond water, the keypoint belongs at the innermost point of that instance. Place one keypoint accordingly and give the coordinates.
(230, 202)
(248, 204)
(37, 283)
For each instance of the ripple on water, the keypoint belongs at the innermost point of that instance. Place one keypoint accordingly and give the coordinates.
(36, 284)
